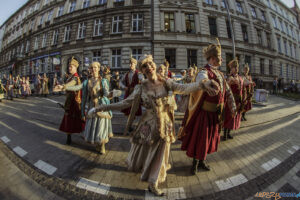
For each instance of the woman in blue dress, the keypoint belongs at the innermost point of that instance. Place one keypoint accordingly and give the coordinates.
(95, 91)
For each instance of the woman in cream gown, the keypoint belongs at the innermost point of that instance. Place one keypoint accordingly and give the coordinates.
(151, 140)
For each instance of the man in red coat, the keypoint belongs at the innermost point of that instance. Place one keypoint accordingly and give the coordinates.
(72, 121)
(128, 82)
(201, 126)
(236, 84)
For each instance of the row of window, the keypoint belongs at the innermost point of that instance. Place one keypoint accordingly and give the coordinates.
(117, 24)
(260, 39)
(289, 74)
(254, 14)
(60, 11)
(290, 71)
(238, 4)
(240, 9)
(284, 27)
(289, 48)
(117, 27)
(282, 12)
(262, 67)
(137, 25)
(214, 30)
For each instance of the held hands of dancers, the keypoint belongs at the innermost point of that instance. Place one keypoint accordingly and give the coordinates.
(92, 112)
(211, 87)
(59, 88)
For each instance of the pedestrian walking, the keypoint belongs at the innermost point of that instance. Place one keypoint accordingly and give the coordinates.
(249, 87)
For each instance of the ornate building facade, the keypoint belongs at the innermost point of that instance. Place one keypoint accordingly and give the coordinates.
(43, 35)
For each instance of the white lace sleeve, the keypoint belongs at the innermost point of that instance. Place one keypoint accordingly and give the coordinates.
(122, 82)
(74, 87)
(141, 77)
(201, 76)
(178, 88)
(126, 103)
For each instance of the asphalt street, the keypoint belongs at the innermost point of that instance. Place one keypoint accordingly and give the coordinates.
(262, 152)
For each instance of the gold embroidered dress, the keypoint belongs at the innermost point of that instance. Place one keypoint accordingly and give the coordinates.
(151, 140)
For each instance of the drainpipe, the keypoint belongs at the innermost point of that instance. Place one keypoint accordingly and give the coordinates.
(152, 27)
(231, 28)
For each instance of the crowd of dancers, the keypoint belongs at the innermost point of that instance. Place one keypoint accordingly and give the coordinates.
(16, 87)
(211, 102)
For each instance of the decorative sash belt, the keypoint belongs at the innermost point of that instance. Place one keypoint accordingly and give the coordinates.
(212, 107)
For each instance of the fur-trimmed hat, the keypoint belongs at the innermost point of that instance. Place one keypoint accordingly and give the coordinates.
(74, 62)
(212, 50)
(95, 63)
(132, 60)
(234, 63)
(162, 66)
(145, 58)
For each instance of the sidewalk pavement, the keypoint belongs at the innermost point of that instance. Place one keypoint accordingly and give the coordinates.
(15, 185)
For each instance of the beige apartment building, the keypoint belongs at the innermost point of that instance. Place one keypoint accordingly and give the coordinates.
(43, 35)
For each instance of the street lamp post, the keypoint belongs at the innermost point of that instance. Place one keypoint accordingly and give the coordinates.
(231, 28)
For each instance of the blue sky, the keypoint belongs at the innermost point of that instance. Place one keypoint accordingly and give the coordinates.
(8, 7)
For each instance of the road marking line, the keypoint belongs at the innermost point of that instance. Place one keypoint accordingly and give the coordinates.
(271, 164)
(224, 184)
(171, 193)
(238, 179)
(21, 152)
(47, 168)
(291, 151)
(296, 147)
(93, 186)
(53, 101)
(5, 139)
(231, 182)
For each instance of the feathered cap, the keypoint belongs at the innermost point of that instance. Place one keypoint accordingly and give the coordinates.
(212, 50)
(144, 59)
(95, 63)
(234, 63)
(74, 62)
(132, 60)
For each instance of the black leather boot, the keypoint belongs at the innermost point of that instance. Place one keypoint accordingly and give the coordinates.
(243, 117)
(228, 135)
(194, 169)
(69, 139)
(204, 165)
(225, 134)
